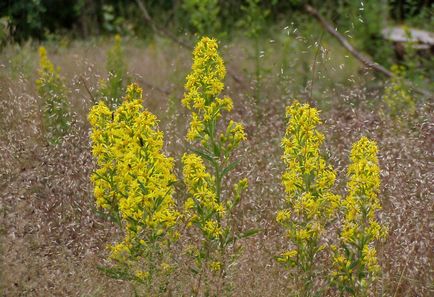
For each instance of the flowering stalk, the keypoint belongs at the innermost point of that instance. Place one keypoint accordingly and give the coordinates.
(310, 204)
(51, 88)
(112, 89)
(134, 185)
(209, 206)
(355, 261)
(396, 95)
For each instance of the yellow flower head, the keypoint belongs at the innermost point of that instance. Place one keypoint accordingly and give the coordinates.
(360, 227)
(204, 85)
(45, 64)
(208, 72)
(308, 179)
(396, 95)
(134, 179)
(52, 89)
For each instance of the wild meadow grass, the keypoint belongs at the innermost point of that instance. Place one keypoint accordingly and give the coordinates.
(179, 188)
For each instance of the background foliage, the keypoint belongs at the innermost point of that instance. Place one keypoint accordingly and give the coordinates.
(37, 18)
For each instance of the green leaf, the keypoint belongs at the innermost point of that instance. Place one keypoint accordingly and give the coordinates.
(143, 188)
(249, 233)
(230, 167)
(354, 263)
(115, 272)
(204, 155)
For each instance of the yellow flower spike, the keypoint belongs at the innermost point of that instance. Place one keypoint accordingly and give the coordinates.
(209, 205)
(360, 228)
(203, 87)
(308, 181)
(396, 94)
(134, 180)
(52, 89)
(45, 63)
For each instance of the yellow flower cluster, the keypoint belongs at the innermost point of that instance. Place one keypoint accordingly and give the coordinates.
(51, 88)
(308, 181)
(206, 77)
(204, 85)
(201, 186)
(208, 206)
(362, 201)
(360, 228)
(216, 266)
(134, 179)
(396, 95)
(45, 66)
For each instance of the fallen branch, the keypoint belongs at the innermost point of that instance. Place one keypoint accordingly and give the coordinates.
(359, 56)
(344, 42)
(163, 32)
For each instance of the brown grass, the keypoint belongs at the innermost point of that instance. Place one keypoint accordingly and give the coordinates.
(52, 239)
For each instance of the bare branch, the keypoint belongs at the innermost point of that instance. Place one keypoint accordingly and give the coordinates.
(344, 42)
(359, 56)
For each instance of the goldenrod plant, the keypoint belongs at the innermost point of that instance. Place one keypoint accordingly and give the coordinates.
(133, 184)
(396, 94)
(310, 202)
(355, 260)
(210, 204)
(113, 88)
(51, 88)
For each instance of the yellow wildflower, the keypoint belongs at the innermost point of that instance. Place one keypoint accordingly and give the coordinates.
(134, 179)
(208, 204)
(52, 89)
(396, 95)
(360, 227)
(308, 181)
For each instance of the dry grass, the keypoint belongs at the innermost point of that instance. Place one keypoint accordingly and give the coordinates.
(52, 239)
